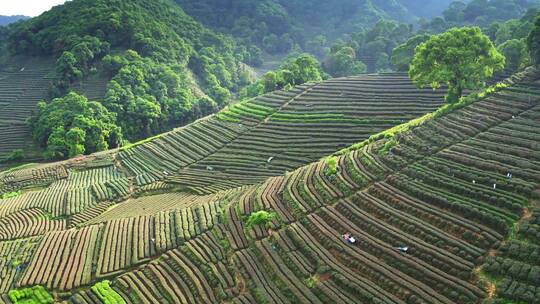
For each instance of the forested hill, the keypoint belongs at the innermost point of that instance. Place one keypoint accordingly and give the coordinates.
(5, 20)
(426, 8)
(156, 68)
(268, 23)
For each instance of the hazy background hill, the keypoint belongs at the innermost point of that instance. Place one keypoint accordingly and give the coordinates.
(293, 21)
(5, 20)
(426, 8)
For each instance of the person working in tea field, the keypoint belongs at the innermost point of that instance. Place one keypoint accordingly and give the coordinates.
(348, 238)
(403, 249)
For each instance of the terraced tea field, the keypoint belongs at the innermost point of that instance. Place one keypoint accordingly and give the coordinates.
(166, 221)
(23, 83)
(278, 132)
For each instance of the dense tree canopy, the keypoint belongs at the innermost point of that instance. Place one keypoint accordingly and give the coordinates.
(483, 13)
(72, 125)
(533, 42)
(344, 63)
(160, 30)
(295, 70)
(5, 20)
(373, 45)
(164, 68)
(149, 97)
(461, 58)
(501, 21)
(403, 54)
(278, 26)
(515, 52)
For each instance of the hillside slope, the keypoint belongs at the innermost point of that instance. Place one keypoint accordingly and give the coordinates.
(278, 132)
(433, 192)
(137, 58)
(276, 25)
(269, 135)
(24, 82)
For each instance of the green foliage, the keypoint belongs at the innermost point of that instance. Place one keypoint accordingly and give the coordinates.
(106, 294)
(461, 58)
(331, 166)
(511, 29)
(66, 67)
(148, 97)
(403, 54)
(388, 145)
(533, 42)
(32, 295)
(374, 45)
(251, 55)
(160, 56)
(311, 282)
(279, 26)
(10, 195)
(344, 63)
(515, 52)
(294, 71)
(260, 218)
(15, 155)
(73, 125)
(488, 14)
(79, 56)
(484, 11)
(317, 46)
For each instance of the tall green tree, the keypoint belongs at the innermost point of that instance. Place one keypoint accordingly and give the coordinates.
(294, 71)
(461, 58)
(74, 140)
(72, 125)
(344, 63)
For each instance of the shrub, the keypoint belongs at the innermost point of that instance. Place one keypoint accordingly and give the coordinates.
(15, 155)
(331, 166)
(106, 294)
(32, 295)
(10, 195)
(260, 218)
(388, 146)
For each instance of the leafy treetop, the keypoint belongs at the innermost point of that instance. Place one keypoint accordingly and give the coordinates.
(72, 125)
(461, 58)
(294, 71)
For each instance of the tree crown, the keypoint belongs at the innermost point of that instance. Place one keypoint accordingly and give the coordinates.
(461, 58)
